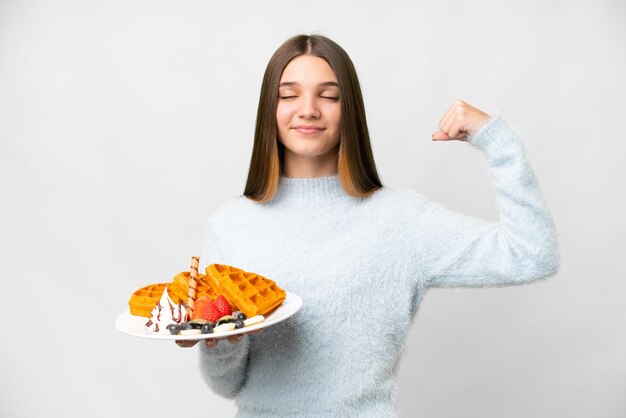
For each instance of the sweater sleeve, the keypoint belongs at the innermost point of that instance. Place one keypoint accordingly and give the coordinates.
(520, 248)
(223, 368)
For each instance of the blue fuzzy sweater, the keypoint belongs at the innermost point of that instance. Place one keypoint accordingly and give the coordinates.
(353, 261)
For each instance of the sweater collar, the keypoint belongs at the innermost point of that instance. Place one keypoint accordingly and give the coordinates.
(310, 190)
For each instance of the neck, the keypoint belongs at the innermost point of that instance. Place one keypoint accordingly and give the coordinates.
(298, 166)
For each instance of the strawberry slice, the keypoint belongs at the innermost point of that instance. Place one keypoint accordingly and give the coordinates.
(223, 306)
(205, 308)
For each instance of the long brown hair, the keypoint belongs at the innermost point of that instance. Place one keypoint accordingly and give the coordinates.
(357, 171)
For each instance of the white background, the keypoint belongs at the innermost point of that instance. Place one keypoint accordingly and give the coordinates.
(123, 124)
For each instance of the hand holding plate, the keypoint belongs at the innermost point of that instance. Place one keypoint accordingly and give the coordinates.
(212, 342)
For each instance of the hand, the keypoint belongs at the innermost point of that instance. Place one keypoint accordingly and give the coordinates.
(212, 342)
(459, 121)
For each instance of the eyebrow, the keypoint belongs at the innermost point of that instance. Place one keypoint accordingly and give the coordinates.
(295, 83)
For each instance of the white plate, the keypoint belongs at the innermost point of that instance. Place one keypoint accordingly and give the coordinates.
(135, 325)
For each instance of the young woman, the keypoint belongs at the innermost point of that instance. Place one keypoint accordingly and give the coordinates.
(316, 219)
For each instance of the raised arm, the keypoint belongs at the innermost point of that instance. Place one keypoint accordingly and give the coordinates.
(468, 252)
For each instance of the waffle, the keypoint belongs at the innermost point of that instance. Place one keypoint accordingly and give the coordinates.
(180, 285)
(143, 300)
(251, 293)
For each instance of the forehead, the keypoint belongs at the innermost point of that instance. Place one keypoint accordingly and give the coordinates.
(308, 69)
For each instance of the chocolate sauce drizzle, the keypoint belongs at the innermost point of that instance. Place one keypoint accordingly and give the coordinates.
(158, 318)
(177, 315)
(176, 318)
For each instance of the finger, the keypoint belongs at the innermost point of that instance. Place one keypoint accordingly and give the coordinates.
(456, 117)
(185, 343)
(440, 136)
(455, 131)
(455, 108)
(445, 119)
(258, 331)
(443, 123)
(235, 339)
(211, 343)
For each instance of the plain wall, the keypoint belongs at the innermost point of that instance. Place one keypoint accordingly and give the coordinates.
(123, 124)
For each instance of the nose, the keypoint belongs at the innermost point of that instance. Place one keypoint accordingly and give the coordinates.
(309, 108)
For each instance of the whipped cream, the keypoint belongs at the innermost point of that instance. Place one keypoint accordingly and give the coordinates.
(164, 313)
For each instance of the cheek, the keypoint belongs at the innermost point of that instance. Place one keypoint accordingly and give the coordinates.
(283, 114)
(283, 120)
(334, 117)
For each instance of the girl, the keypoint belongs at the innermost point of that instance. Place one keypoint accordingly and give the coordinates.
(315, 218)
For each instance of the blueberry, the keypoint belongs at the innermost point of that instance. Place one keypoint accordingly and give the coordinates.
(174, 329)
(186, 325)
(207, 328)
(239, 323)
(242, 316)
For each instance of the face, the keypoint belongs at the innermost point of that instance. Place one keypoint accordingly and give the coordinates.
(308, 114)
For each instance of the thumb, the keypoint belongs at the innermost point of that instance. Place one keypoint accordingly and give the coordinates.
(440, 136)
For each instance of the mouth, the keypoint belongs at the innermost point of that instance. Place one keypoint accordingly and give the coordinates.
(308, 129)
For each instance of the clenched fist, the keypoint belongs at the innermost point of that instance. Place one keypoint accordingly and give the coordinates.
(460, 120)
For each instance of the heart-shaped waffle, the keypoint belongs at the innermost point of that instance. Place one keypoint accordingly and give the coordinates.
(251, 293)
(143, 300)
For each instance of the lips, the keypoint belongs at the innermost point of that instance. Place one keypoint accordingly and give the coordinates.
(308, 129)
